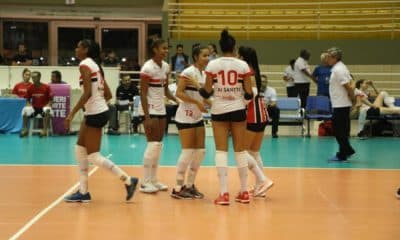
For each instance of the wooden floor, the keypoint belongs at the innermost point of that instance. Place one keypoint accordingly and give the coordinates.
(306, 204)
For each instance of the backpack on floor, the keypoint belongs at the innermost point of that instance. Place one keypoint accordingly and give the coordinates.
(325, 128)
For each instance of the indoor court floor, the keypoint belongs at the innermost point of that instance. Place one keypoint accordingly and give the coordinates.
(311, 199)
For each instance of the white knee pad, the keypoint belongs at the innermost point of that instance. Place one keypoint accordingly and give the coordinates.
(27, 111)
(80, 153)
(98, 160)
(221, 159)
(241, 159)
(153, 150)
(48, 110)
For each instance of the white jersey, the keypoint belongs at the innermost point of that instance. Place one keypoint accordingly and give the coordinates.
(96, 103)
(289, 72)
(340, 76)
(157, 77)
(228, 74)
(300, 65)
(189, 112)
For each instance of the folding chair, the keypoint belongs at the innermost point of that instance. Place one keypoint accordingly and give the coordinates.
(317, 108)
(291, 112)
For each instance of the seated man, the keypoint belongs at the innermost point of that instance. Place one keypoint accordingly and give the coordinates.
(56, 78)
(38, 102)
(270, 98)
(124, 94)
(383, 104)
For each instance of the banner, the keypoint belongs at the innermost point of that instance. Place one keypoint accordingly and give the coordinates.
(61, 101)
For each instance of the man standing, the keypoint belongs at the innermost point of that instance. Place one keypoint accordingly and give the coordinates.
(302, 76)
(180, 60)
(342, 95)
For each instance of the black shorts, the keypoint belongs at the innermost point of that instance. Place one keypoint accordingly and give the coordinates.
(373, 112)
(235, 116)
(37, 111)
(157, 116)
(182, 126)
(256, 127)
(97, 120)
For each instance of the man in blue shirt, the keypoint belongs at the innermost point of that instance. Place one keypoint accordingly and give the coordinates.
(180, 60)
(321, 76)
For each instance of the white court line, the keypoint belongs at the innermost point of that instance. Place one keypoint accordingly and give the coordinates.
(47, 209)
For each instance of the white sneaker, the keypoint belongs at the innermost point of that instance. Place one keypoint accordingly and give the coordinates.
(260, 190)
(160, 186)
(148, 187)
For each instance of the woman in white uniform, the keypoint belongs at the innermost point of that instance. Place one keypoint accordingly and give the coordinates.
(94, 99)
(228, 79)
(189, 121)
(153, 88)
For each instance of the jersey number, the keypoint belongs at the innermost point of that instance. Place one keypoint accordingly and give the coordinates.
(189, 113)
(231, 79)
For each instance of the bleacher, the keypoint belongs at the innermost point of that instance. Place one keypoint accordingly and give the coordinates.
(267, 19)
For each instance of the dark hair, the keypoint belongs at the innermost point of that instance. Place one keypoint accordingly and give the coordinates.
(57, 74)
(155, 43)
(179, 45)
(250, 57)
(292, 61)
(304, 53)
(38, 73)
(196, 50)
(214, 47)
(359, 82)
(226, 42)
(93, 51)
(25, 70)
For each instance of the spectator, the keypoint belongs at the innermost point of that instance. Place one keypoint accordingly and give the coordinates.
(131, 64)
(23, 57)
(321, 76)
(213, 51)
(124, 94)
(180, 60)
(288, 77)
(56, 78)
(38, 103)
(270, 98)
(302, 76)
(111, 60)
(342, 96)
(21, 89)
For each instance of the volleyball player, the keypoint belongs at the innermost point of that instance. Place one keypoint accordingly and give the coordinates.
(228, 79)
(94, 99)
(153, 88)
(189, 121)
(257, 117)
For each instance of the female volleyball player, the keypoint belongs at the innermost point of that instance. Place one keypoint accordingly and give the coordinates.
(228, 78)
(93, 100)
(257, 117)
(189, 121)
(153, 87)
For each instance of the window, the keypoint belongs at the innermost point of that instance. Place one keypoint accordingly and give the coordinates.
(122, 43)
(68, 38)
(33, 34)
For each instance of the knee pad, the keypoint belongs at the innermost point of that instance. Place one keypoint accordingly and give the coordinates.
(221, 159)
(241, 159)
(153, 150)
(80, 153)
(27, 111)
(96, 159)
(48, 110)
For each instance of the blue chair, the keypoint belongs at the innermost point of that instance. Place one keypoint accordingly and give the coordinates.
(317, 108)
(291, 112)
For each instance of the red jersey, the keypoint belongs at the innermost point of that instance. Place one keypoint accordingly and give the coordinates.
(40, 95)
(256, 112)
(21, 89)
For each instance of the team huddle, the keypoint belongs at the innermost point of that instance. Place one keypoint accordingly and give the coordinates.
(230, 86)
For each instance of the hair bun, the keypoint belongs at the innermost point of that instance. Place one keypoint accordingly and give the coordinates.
(224, 34)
